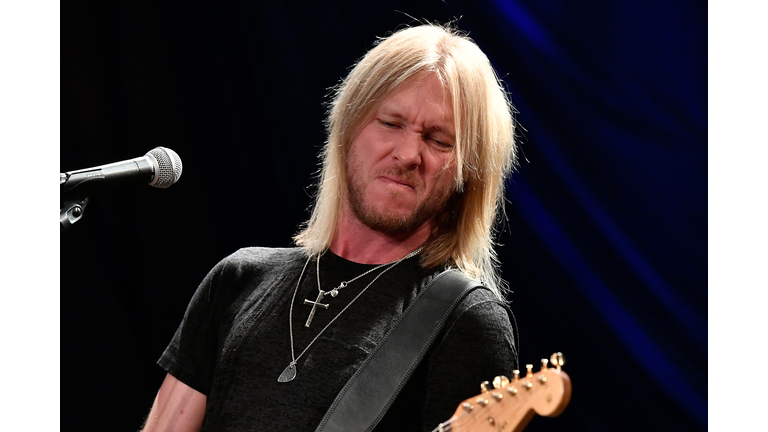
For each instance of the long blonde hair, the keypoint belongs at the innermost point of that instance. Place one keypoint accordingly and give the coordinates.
(485, 145)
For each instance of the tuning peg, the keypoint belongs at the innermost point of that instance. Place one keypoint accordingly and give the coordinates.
(529, 370)
(557, 359)
(500, 382)
(544, 364)
(515, 375)
(485, 386)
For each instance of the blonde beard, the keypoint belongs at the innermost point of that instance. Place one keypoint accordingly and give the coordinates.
(389, 222)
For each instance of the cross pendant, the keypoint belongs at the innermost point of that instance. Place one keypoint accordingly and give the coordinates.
(315, 304)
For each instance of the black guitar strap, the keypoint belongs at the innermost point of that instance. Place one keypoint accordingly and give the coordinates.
(365, 398)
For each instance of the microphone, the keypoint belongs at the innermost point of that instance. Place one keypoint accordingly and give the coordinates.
(160, 168)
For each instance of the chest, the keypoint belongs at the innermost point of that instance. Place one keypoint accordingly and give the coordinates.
(266, 335)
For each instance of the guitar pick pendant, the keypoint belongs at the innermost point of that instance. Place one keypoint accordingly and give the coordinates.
(288, 374)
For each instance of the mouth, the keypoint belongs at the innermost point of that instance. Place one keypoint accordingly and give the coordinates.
(397, 182)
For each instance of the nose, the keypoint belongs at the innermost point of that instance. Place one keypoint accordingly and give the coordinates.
(408, 151)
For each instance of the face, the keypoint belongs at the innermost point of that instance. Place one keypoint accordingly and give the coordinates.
(401, 166)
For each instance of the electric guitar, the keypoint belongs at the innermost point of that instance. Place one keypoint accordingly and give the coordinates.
(510, 405)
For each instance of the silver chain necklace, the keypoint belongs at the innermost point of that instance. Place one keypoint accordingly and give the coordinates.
(334, 292)
(289, 373)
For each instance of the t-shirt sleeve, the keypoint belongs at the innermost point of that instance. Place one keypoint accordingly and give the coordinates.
(190, 355)
(477, 346)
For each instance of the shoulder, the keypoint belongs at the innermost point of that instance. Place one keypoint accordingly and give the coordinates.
(245, 270)
(478, 306)
(478, 343)
(264, 256)
(259, 259)
(481, 309)
(483, 324)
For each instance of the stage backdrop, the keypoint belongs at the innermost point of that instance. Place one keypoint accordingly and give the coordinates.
(604, 244)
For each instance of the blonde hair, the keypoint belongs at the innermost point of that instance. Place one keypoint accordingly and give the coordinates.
(463, 236)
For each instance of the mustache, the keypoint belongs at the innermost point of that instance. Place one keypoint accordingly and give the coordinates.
(404, 175)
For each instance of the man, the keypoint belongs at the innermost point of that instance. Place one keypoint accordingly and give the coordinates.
(420, 141)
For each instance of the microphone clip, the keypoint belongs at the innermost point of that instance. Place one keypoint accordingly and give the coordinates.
(71, 212)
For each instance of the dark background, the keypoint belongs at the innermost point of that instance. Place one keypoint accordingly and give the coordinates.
(605, 246)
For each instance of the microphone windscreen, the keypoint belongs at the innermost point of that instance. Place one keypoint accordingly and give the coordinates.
(168, 169)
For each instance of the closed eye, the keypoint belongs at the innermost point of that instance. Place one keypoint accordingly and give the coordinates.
(441, 144)
(388, 124)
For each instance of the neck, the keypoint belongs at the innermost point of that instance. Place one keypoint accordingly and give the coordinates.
(357, 242)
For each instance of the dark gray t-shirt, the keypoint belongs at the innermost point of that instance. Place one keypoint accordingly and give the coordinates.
(234, 342)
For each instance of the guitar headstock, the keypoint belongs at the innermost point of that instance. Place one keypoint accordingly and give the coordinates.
(509, 405)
